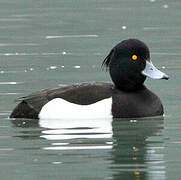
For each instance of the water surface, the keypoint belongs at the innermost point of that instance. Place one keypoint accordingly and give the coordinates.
(45, 44)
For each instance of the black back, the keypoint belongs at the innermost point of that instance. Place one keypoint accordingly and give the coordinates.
(83, 93)
(142, 103)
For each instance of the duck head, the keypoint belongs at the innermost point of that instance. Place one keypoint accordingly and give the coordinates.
(129, 64)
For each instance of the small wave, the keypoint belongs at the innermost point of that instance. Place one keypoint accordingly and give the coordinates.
(72, 36)
(10, 83)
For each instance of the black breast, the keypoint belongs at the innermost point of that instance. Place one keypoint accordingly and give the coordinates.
(141, 103)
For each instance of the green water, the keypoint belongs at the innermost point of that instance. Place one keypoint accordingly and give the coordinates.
(47, 43)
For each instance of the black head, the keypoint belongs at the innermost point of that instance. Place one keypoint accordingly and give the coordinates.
(126, 61)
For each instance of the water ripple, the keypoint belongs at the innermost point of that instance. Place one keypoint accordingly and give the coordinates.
(10, 83)
(73, 36)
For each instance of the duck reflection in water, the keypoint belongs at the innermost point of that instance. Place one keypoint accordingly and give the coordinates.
(134, 147)
(137, 152)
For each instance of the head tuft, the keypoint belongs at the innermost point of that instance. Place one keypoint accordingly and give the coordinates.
(107, 60)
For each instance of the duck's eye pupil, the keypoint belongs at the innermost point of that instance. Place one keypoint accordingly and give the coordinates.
(134, 57)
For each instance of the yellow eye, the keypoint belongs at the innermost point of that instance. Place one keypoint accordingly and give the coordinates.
(134, 57)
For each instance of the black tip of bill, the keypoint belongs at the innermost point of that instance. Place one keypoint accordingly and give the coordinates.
(166, 77)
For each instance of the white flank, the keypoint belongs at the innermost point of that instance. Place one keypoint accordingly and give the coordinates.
(61, 109)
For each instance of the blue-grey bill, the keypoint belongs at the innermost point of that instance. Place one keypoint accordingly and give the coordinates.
(152, 72)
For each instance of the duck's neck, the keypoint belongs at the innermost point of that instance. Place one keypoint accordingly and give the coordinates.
(130, 88)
